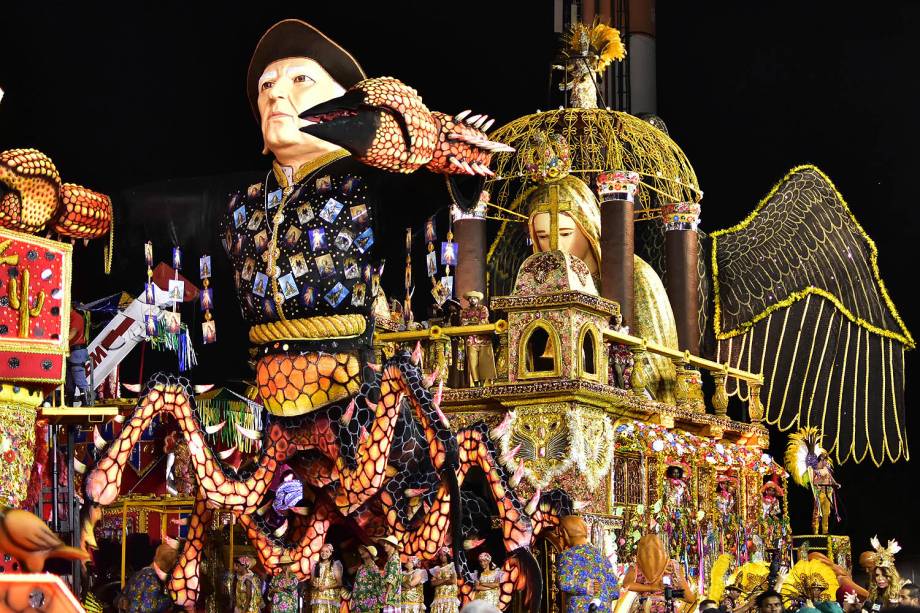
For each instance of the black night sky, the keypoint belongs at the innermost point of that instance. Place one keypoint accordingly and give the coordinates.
(135, 101)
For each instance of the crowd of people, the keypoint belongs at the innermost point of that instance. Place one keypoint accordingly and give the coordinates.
(384, 581)
(397, 587)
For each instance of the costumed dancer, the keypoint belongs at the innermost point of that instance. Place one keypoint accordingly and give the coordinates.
(326, 583)
(247, 587)
(885, 582)
(413, 583)
(488, 585)
(392, 576)
(444, 580)
(367, 593)
(811, 584)
(480, 356)
(282, 592)
(585, 573)
(810, 466)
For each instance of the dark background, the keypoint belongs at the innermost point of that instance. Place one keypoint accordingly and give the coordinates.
(147, 104)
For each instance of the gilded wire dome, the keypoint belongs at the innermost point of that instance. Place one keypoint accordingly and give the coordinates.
(597, 140)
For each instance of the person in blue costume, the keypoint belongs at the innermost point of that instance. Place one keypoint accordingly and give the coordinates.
(585, 573)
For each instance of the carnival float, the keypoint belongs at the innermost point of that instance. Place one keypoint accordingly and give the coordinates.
(548, 417)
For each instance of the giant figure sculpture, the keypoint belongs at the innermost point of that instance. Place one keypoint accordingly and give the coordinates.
(333, 133)
(578, 221)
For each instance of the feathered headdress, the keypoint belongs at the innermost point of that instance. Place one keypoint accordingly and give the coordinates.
(599, 44)
(802, 453)
(884, 556)
(808, 574)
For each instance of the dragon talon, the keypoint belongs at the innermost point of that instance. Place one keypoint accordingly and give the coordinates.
(98, 440)
(508, 458)
(467, 168)
(499, 431)
(79, 466)
(531, 507)
(488, 124)
(480, 121)
(281, 529)
(248, 433)
(226, 453)
(214, 429)
(349, 412)
(462, 114)
(472, 119)
(518, 475)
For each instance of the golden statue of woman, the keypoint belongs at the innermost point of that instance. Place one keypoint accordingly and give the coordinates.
(578, 229)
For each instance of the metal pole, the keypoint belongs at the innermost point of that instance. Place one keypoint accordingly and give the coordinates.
(124, 538)
(73, 514)
(55, 493)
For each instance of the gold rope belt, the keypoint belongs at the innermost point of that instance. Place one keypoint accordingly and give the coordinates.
(309, 328)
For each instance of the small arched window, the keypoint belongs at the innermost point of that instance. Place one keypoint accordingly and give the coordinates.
(540, 351)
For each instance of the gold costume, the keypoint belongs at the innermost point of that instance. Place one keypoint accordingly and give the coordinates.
(653, 317)
(491, 596)
(413, 598)
(248, 593)
(325, 591)
(445, 596)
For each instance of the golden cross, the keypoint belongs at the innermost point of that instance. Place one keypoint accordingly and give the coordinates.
(553, 202)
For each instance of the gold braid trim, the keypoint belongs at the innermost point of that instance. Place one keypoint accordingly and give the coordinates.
(904, 337)
(309, 328)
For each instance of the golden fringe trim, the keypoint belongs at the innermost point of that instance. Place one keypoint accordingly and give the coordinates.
(905, 337)
(309, 328)
(877, 453)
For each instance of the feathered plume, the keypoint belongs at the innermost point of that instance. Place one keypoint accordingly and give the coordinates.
(607, 44)
(599, 44)
(884, 556)
(802, 453)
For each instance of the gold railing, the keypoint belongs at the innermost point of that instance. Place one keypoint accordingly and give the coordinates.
(437, 332)
(682, 359)
(638, 345)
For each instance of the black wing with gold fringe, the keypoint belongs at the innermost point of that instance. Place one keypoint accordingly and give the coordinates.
(798, 297)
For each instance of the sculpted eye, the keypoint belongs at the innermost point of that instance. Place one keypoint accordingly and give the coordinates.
(302, 78)
(267, 85)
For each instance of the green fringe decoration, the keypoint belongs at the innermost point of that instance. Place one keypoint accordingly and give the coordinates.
(223, 405)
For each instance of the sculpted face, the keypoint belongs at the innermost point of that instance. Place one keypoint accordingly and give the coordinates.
(570, 238)
(287, 88)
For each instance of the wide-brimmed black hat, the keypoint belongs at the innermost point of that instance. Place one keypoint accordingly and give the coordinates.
(296, 38)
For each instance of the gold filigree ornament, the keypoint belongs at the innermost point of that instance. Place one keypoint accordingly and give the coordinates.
(544, 439)
(592, 444)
